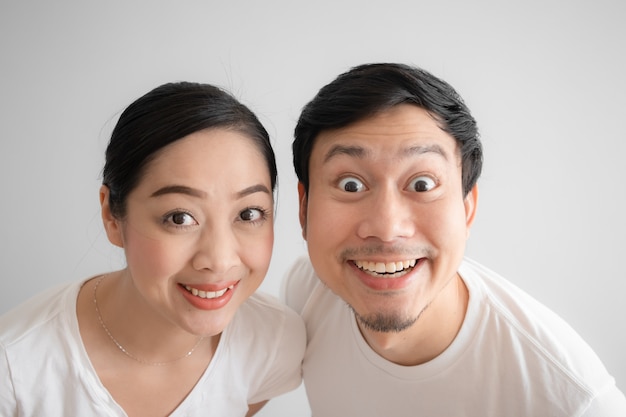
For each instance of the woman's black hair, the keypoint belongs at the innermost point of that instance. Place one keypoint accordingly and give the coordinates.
(164, 115)
(371, 88)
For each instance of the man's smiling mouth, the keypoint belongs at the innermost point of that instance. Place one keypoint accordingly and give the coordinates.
(386, 269)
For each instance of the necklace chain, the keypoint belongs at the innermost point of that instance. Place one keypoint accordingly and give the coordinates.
(122, 348)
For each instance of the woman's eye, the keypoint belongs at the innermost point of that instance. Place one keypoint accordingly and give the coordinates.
(422, 183)
(251, 214)
(351, 185)
(181, 219)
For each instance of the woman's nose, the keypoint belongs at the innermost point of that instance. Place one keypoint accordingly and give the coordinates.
(217, 250)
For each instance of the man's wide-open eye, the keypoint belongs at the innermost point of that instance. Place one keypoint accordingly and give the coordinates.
(351, 185)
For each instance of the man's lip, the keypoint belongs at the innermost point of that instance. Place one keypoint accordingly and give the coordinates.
(386, 268)
(388, 282)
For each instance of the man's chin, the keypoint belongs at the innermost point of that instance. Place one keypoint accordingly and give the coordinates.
(385, 322)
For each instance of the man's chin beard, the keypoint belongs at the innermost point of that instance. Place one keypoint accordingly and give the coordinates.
(385, 323)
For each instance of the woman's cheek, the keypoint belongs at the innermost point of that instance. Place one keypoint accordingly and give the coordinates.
(258, 252)
(155, 256)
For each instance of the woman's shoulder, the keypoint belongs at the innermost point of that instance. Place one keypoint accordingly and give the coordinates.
(36, 311)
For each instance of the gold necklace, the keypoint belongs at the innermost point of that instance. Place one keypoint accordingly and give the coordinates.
(122, 348)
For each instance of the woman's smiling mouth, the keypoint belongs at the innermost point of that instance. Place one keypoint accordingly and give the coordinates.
(208, 294)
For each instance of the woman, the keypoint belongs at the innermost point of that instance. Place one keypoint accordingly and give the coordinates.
(187, 193)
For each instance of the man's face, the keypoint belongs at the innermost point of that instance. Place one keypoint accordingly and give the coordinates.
(385, 218)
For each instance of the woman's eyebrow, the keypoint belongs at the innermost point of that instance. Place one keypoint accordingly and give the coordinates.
(193, 192)
(179, 189)
(258, 188)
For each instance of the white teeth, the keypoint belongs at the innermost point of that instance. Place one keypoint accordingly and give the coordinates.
(385, 268)
(208, 294)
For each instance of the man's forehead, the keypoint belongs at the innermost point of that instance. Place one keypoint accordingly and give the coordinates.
(400, 120)
(363, 151)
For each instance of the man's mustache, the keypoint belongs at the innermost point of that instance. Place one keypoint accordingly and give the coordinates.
(408, 251)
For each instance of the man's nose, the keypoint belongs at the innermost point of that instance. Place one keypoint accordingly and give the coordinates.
(388, 215)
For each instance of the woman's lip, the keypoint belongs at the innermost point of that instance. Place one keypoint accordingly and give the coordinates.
(210, 287)
(209, 303)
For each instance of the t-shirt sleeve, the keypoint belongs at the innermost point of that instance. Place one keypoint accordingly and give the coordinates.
(283, 369)
(7, 394)
(610, 402)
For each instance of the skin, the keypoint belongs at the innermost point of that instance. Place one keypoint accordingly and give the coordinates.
(183, 228)
(385, 190)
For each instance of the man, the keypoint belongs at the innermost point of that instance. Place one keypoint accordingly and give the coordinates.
(387, 158)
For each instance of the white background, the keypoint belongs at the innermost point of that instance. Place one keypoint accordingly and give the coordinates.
(544, 78)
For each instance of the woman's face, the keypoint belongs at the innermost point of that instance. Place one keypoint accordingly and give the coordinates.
(198, 231)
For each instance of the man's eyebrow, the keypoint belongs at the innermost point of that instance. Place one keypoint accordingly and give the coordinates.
(179, 189)
(354, 151)
(360, 152)
(422, 149)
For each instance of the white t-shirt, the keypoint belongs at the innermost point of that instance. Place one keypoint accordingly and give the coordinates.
(45, 370)
(511, 357)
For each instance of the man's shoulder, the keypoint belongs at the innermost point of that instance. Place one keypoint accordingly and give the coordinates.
(269, 321)
(262, 308)
(538, 337)
(299, 283)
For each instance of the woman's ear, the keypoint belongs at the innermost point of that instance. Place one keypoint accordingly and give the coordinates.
(303, 206)
(112, 225)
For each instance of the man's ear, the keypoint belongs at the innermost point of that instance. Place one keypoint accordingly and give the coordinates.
(302, 198)
(470, 202)
(112, 225)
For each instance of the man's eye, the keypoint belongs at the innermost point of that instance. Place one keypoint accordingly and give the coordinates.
(351, 185)
(251, 214)
(422, 183)
(181, 219)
